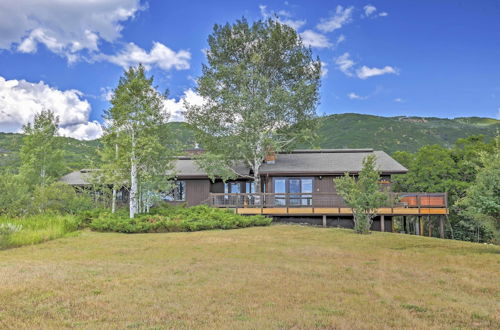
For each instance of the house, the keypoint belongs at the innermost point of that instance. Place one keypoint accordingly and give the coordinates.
(296, 186)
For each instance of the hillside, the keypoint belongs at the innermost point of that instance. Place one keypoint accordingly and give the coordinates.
(347, 130)
(399, 133)
(286, 277)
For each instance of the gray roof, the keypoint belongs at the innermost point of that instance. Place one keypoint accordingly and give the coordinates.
(326, 161)
(297, 162)
(77, 178)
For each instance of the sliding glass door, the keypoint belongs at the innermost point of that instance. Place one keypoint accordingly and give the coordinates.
(296, 191)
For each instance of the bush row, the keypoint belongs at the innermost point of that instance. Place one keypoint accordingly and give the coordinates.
(176, 219)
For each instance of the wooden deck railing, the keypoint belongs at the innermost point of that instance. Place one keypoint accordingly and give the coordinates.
(262, 200)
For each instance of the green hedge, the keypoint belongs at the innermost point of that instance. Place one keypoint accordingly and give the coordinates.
(177, 219)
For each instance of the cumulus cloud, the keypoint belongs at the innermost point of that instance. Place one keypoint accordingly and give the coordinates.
(282, 16)
(177, 108)
(315, 39)
(365, 72)
(20, 100)
(345, 63)
(341, 17)
(159, 56)
(64, 27)
(85, 131)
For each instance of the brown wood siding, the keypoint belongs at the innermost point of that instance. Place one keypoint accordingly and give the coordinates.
(197, 191)
(325, 184)
(217, 187)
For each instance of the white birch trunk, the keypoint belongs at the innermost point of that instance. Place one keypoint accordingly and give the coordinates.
(133, 180)
(113, 201)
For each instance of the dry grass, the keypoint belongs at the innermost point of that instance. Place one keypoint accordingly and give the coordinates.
(275, 277)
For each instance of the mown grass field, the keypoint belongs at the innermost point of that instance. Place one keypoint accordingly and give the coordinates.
(264, 277)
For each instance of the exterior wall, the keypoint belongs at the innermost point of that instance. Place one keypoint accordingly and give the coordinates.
(324, 184)
(197, 191)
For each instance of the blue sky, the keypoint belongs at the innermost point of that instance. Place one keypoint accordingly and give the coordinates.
(422, 58)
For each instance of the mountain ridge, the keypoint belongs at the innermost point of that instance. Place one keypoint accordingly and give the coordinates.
(346, 130)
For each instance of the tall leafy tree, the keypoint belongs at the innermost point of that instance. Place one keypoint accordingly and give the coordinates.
(482, 201)
(362, 194)
(41, 154)
(260, 91)
(133, 140)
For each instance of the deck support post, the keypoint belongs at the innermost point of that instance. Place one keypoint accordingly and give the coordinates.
(382, 223)
(324, 220)
(441, 227)
(422, 233)
(417, 226)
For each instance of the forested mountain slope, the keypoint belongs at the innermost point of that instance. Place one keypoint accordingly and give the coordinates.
(347, 130)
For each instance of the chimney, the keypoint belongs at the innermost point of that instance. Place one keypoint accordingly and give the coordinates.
(270, 156)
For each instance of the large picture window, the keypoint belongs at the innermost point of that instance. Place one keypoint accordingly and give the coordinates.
(177, 194)
(296, 191)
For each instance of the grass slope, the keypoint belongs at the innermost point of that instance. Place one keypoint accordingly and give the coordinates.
(275, 277)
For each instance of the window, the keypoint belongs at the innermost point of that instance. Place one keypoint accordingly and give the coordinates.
(232, 187)
(250, 187)
(302, 187)
(177, 194)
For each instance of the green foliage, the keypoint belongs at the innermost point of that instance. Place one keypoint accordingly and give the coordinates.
(177, 219)
(362, 194)
(391, 134)
(14, 196)
(260, 91)
(481, 204)
(457, 171)
(36, 229)
(41, 153)
(133, 141)
(60, 198)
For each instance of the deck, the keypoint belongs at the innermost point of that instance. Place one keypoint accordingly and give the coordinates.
(311, 204)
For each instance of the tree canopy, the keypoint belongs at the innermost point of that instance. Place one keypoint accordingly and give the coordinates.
(260, 91)
(133, 140)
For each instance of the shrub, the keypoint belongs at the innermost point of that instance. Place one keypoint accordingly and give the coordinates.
(60, 198)
(177, 219)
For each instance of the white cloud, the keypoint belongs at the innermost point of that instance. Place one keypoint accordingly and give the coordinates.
(282, 16)
(85, 131)
(176, 108)
(341, 17)
(160, 56)
(106, 93)
(324, 69)
(365, 72)
(354, 96)
(315, 39)
(345, 64)
(369, 9)
(64, 27)
(399, 100)
(20, 100)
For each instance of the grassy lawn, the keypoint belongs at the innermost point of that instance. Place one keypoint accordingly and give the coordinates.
(264, 277)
